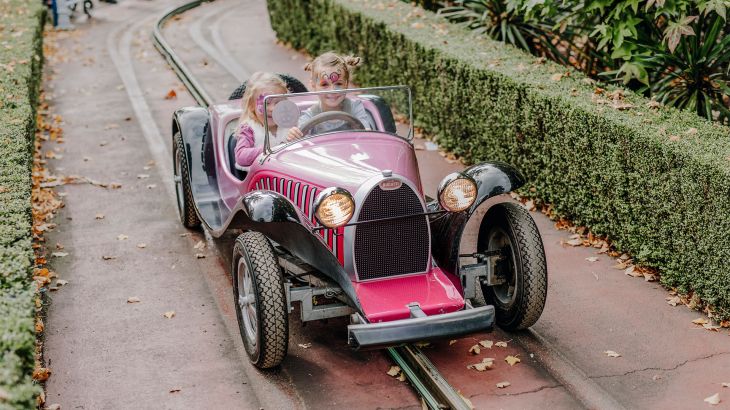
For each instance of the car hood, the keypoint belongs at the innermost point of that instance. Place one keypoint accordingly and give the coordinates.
(346, 160)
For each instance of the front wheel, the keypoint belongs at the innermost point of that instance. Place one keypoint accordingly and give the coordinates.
(520, 299)
(258, 291)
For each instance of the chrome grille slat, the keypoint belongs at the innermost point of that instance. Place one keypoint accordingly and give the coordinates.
(394, 247)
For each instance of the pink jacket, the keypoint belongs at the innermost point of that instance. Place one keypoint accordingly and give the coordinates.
(247, 148)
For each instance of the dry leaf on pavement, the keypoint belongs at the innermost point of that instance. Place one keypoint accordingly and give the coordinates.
(422, 344)
(169, 314)
(122, 237)
(501, 344)
(502, 385)
(393, 371)
(632, 271)
(199, 255)
(200, 245)
(59, 254)
(611, 353)
(305, 345)
(61, 282)
(701, 321)
(714, 399)
(175, 389)
(592, 259)
(726, 385)
(141, 245)
(474, 349)
(487, 344)
(133, 299)
(674, 300)
(512, 360)
(99, 216)
(452, 342)
(486, 364)
(41, 374)
(575, 242)
(171, 95)
(108, 257)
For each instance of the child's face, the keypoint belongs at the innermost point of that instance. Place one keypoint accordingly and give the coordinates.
(269, 105)
(329, 79)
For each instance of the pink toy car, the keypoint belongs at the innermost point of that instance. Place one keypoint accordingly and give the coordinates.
(338, 221)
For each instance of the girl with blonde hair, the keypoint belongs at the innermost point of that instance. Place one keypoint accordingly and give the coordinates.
(332, 71)
(250, 132)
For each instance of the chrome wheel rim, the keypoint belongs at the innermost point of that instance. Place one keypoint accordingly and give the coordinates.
(247, 302)
(178, 181)
(506, 267)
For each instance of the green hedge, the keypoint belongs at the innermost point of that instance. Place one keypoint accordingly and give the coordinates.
(656, 181)
(21, 36)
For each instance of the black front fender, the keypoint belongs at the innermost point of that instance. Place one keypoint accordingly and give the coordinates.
(276, 217)
(492, 178)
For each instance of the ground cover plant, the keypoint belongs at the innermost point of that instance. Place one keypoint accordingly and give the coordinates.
(677, 52)
(21, 23)
(655, 180)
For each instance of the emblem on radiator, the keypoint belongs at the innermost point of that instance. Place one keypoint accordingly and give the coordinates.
(390, 184)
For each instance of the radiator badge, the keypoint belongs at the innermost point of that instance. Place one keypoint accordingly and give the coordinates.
(390, 184)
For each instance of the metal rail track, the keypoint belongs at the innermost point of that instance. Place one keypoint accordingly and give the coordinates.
(436, 392)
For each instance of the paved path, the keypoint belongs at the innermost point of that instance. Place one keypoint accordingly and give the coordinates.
(106, 353)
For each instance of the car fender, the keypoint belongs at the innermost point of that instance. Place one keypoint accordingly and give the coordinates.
(281, 221)
(193, 123)
(492, 178)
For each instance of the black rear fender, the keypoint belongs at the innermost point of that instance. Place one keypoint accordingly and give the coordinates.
(492, 178)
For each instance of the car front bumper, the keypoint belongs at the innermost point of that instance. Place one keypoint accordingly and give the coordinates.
(396, 332)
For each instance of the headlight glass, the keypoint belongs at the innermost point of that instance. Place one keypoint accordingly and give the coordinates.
(458, 195)
(334, 207)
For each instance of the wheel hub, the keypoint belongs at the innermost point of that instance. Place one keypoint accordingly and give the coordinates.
(247, 302)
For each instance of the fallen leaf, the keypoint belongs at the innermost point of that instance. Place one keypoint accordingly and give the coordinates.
(631, 271)
(556, 77)
(169, 314)
(700, 321)
(141, 245)
(502, 385)
(592, 259)
(501, 344)
(474, 349)
(59, 254)
(305, 345)
(41, 374)
(61, 282)
(108, 257)
(393, 371)
(726, 385)
(711, 327)
(714, 399)
(402, 377)
(422, 344)
(487, 344)
(199, 255)
(142, 176)
(512, 360)
(133, 299)
(175, 389)
(122, 237)
(171, 95)
(99, 216)
(199, 246)
(115, 185)
(575, 242)
(451, 342)
(151, 186)
(611, 353)
(485, 364)
(674, 301)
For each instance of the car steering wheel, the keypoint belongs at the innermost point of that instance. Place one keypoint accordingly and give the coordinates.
(309, 125)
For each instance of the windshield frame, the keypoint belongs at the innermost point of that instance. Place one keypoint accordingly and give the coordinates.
(407, 89)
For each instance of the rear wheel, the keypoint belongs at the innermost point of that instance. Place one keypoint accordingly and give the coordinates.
(520, 299)
(183, 191)
(258, 291)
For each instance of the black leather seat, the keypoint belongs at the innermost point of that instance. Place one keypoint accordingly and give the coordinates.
(232, 158)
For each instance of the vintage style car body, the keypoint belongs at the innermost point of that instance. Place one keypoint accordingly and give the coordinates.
(394, 266)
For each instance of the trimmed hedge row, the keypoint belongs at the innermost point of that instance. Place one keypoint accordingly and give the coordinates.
(21, 37)
(654, 179)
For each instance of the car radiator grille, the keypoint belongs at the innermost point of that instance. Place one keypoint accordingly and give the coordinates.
(392, 247)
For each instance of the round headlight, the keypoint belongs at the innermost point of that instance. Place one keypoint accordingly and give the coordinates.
(334, 207)
(457, 192)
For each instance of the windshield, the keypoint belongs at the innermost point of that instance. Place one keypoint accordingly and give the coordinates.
(382, 109)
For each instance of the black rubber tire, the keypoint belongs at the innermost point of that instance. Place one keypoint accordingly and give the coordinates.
(186, 204)
(294, 86)
(271, 309)
(510, 226)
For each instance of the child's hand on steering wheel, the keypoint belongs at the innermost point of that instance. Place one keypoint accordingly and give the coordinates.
(294, 134)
